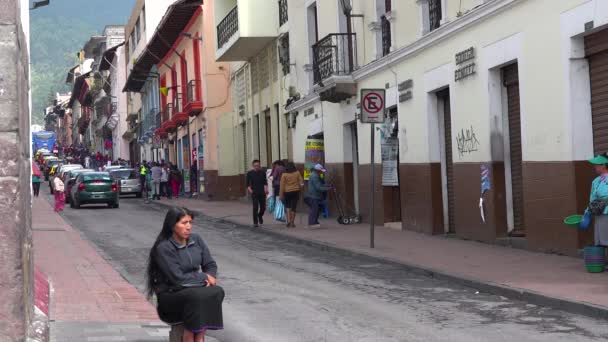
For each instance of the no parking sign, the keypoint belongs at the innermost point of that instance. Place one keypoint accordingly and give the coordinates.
(372, 105)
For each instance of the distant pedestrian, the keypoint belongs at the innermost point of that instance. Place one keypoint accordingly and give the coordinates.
(291, 184)
(58, 191)
(142, 176)
(164, 181)
(36, 174)
(277, 171)
(156, 172)
(175, 180)
(315, 195)
(182, 274)
(258, 188)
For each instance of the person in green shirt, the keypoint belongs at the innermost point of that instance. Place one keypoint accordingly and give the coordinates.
(36, 185)
(599, 193)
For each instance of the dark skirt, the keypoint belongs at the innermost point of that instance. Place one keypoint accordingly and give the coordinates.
(291, 200)
(199, 308)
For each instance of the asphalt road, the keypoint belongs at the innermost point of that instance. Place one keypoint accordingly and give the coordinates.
(282, 291)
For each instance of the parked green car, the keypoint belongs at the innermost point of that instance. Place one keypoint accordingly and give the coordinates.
(94, 188)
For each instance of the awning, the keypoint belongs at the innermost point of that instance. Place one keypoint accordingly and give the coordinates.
(108, 57)
(168, 31)
(80, 90)
(72, 74)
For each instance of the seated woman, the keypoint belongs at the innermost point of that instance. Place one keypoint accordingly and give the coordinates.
(182, 275)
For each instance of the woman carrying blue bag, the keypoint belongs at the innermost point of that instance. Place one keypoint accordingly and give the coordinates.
(598, 201)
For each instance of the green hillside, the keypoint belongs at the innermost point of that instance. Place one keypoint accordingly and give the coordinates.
(57, 33)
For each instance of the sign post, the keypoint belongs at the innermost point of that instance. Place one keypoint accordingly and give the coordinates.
(372, 112)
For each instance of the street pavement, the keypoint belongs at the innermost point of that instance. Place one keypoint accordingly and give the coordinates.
(279, 290)
(541, 277)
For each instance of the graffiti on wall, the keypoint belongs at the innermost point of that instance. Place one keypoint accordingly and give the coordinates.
(467, 141)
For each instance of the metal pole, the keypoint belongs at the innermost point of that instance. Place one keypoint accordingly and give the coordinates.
(373, 181)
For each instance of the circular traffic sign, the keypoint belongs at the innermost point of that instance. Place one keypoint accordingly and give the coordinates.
(373, 103)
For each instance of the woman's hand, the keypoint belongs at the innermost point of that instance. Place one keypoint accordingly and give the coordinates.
(211, 281)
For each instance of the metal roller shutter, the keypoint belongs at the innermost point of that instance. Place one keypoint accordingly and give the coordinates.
(511, 82)
(596, 46)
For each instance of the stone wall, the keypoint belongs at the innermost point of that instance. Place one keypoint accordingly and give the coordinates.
(16, 285)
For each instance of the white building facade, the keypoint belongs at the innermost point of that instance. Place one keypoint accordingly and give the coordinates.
(482, 97)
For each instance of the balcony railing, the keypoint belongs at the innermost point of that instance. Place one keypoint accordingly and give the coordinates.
(228, 27)
(334, 55)
(168, 112)
(192, 91)
(158, 121)
(283, 13)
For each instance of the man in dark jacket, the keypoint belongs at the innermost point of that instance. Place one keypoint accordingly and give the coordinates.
(257, 186)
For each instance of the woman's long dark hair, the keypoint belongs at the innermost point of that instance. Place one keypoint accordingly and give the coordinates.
(291, 167)
(174, 215)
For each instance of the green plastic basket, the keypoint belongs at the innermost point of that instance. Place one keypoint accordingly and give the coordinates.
(573, 220)
(595, 268)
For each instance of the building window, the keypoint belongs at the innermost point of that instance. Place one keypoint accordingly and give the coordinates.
(136, 31)
(143, 19)
(283, 13)
(284, 53)
(274, 62)
(386, 35)
(254, 75)
(263, 72)
(434, 14)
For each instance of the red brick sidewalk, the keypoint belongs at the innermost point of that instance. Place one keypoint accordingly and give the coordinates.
(86, 287)
(549, 275)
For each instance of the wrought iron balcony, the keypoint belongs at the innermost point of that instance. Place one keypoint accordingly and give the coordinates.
(158, 121)
(283, 13)
(334, 60)
(168, 112)
(334, 55)
(194, 104)
(228, 27)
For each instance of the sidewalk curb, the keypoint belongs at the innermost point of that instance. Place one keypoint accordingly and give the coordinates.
(528, 296)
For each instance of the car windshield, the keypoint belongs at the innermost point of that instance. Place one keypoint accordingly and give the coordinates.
(124, 174)
(75, 173)
(97, 177)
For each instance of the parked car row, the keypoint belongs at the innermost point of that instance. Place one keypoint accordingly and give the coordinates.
(88, 186)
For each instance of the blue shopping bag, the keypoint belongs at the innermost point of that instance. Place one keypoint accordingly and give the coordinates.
(271, 203)
(586, 221)
(279, 211)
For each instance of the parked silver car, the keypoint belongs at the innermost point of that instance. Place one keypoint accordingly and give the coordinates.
(128, 181)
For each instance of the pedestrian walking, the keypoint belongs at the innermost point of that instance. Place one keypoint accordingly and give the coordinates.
(164, 181)
(59, 194)
(182, 274)
(290, 186)
(314, 197)
(175, 179)
(278, 167)
(156, 172)
(257, 188)
(36, 174)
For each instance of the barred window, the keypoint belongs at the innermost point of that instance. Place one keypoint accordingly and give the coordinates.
(263, 72)
(254, 75)
(283, 51)
(274, 62)
(434, 14)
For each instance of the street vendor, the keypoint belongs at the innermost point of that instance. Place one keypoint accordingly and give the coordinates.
(599, 198)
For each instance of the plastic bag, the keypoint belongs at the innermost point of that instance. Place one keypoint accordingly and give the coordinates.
(279, 211)
(586, 222)
(271, 203)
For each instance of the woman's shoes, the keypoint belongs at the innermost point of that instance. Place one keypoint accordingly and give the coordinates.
(290, 225)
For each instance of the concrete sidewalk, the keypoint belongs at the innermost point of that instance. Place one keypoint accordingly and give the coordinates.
(90, 301)
(544, 279)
